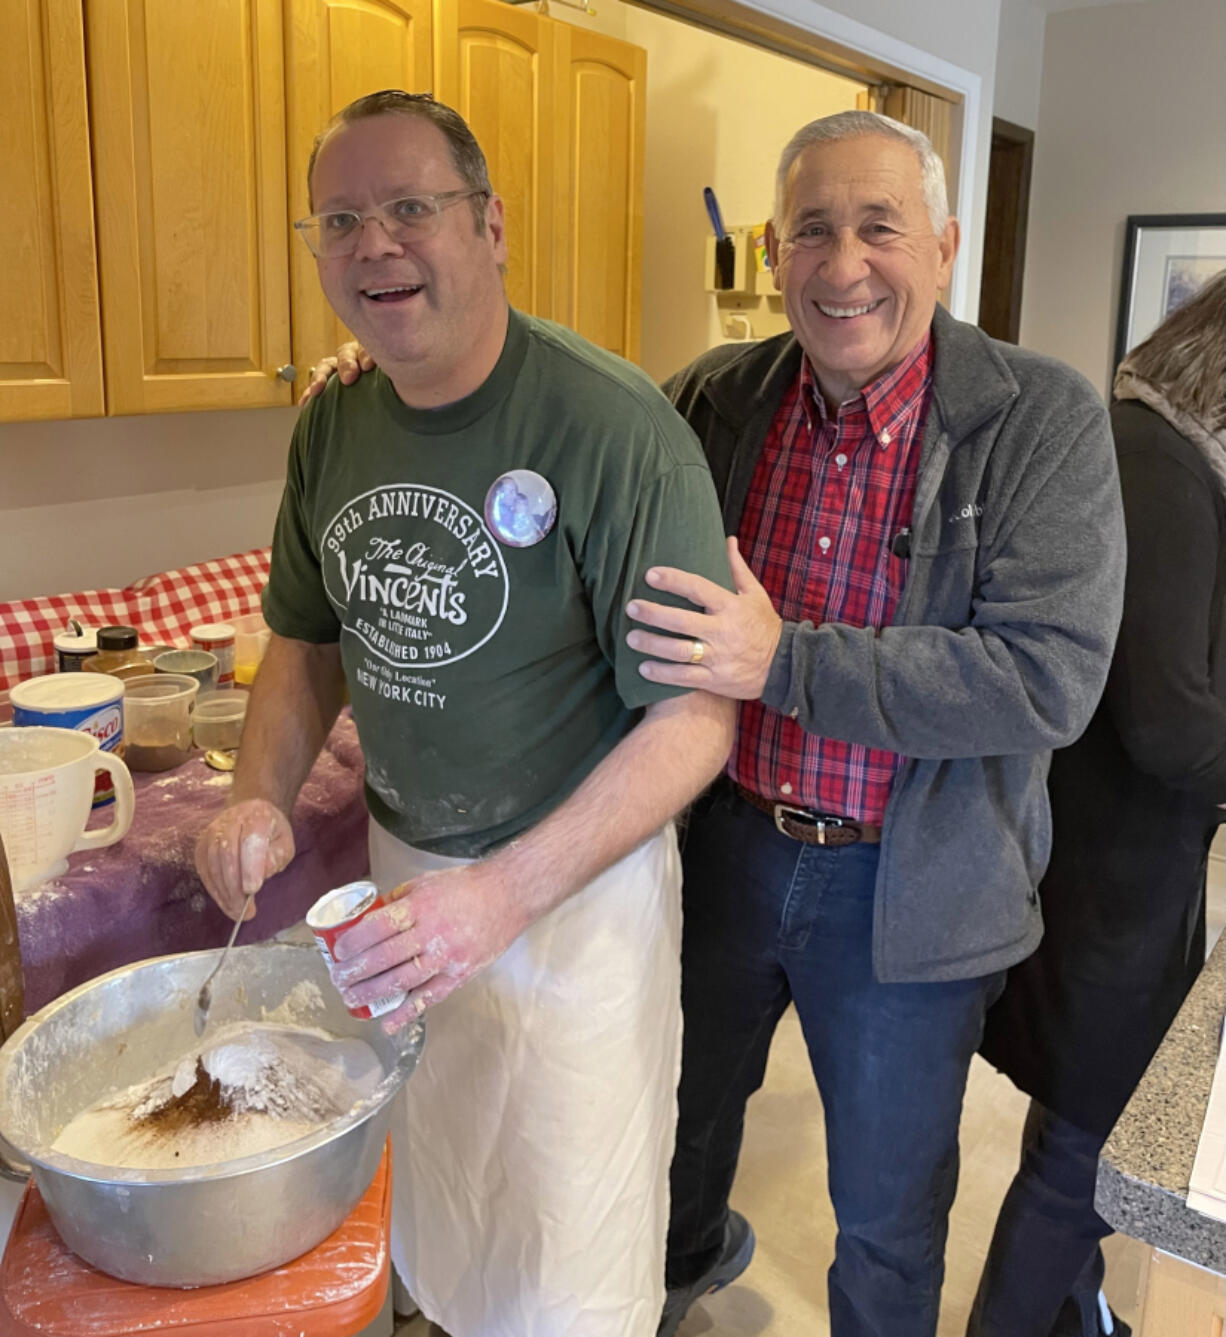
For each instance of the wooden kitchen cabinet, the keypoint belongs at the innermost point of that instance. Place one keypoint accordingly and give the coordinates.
(559, 111)
(336, 51)
(598, 238)
(50, 336)
(187, 108)
(495, 65)
(170, 140)
(1179, 1299)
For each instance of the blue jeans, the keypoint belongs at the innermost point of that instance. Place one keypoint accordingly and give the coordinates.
(1044, 1268)
(769, 921)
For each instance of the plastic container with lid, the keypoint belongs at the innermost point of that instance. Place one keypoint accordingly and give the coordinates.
(118, 654)
(217, 721)
(158, 720)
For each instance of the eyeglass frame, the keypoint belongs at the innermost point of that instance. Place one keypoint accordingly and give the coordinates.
(379, 213)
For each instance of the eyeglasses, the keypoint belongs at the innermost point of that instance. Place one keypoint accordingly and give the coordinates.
(333, 235)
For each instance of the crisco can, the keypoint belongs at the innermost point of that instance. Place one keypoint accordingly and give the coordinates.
(91, 702)
(338, 910)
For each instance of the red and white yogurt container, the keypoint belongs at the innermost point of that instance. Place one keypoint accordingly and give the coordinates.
(218, 639)
(338, 910)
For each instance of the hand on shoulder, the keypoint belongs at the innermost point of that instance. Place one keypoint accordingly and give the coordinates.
(349, 362)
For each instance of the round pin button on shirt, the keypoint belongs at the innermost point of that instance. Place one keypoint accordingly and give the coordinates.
(520, 508)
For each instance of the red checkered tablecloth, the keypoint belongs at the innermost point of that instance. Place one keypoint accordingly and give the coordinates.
(161, 607)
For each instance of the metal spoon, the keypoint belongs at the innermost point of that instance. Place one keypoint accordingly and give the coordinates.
(204, 999)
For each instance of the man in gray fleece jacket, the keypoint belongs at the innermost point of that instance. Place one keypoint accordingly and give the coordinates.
(929, 564)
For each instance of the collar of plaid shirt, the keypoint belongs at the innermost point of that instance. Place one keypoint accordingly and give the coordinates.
(893, 396)
(816, 532)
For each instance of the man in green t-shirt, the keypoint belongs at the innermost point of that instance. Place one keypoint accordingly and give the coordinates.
(457, 543)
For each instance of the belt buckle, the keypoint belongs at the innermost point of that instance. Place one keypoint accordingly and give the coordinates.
(785, 813)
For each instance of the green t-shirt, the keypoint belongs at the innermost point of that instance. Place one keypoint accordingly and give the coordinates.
(488, 680)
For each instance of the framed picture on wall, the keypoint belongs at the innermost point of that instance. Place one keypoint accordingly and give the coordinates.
(1166, 259)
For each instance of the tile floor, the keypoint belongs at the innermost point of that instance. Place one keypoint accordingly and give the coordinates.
(781, 1187)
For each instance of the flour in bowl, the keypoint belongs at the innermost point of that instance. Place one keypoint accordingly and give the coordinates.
(254, 1087)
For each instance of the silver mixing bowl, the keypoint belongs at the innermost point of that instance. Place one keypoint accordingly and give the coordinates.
(208, 1224)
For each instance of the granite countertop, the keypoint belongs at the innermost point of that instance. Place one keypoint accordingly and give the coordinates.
(1146, 1165)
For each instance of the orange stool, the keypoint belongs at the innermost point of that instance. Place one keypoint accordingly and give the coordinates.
(338, 1289)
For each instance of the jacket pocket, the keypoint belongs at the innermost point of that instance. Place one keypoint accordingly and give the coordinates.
(940, 586)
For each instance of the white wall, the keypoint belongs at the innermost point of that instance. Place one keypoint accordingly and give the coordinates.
(99, 502)
(1019, 63)
(1132, 120)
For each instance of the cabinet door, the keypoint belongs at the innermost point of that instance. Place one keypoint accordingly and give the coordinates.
(187, 106)
(1180, 1299)
(50, 340)
(495, 66)
(336, 51)
(598, 256)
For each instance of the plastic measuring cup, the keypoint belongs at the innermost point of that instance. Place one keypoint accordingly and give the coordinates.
(46, 791)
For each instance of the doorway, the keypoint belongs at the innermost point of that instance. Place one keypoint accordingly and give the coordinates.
(1004, 238)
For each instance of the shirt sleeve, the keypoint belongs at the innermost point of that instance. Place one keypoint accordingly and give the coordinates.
(295, 602)
(674, 521)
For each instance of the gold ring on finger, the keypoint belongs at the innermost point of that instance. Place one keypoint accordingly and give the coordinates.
(696, 653)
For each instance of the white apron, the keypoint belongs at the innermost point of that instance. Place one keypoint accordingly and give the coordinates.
(532, 1144)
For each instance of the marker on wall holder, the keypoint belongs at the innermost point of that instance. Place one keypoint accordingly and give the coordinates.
(725, 247)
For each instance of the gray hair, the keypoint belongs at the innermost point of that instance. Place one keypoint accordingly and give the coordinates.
(466, 155)
(1185, 357)
(852, 125)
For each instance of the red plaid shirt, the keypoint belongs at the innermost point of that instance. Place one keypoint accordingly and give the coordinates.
(826, 499)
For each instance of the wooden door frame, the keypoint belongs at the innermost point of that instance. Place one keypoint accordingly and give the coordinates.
(834, 42)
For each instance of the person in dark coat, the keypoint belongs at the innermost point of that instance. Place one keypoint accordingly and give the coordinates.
(1135, 802)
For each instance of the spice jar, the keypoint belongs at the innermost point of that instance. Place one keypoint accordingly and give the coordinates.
(117, 654)
(74, 646)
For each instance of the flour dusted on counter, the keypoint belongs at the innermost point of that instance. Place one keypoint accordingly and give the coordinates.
(254, 1087)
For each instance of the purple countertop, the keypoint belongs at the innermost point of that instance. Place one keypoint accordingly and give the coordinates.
(142, 897)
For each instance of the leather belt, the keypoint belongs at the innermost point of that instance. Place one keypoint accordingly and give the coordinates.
(813, 828)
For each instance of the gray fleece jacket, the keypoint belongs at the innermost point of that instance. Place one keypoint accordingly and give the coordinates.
(999, 647)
